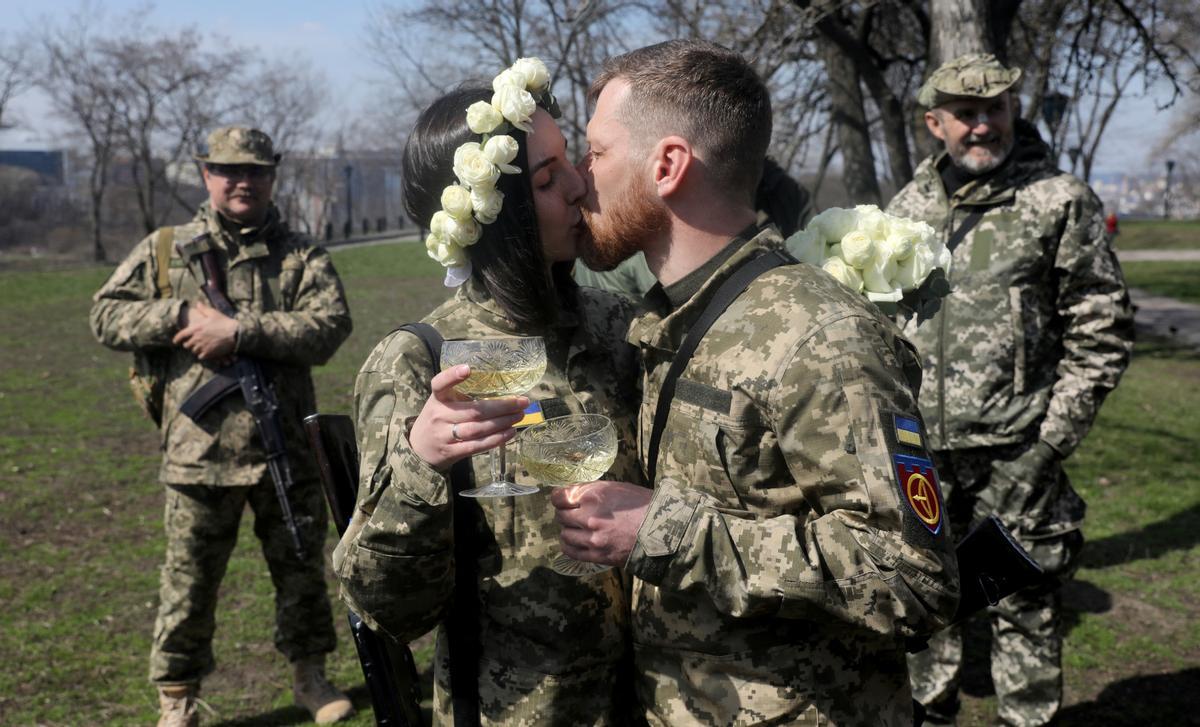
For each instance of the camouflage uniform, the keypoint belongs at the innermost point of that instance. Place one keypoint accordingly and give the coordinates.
(292, 314)
(1035, 333)
(550, 644)
(780, 567)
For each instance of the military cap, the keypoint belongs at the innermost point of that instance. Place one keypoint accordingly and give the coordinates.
(237, 145)
(978, 75)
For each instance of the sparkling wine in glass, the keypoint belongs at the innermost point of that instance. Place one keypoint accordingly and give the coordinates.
(500, 367)
(565, 451)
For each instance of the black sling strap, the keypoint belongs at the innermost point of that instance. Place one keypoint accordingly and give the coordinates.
(734, 286)
(960, 233)
(462, 623)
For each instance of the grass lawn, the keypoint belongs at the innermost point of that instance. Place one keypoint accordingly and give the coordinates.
(1179, 280)
(81, 542)
(1158, 235)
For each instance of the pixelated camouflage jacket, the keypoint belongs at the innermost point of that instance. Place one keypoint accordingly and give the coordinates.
(780, 568)
(1038, 327)
(550, 643)
(292, 315)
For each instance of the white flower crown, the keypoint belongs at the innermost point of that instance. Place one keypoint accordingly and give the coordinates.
(475, 201)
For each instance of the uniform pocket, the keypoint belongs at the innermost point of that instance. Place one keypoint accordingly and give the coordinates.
(770, 685)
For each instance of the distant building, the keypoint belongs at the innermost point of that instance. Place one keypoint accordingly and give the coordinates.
(51, 165)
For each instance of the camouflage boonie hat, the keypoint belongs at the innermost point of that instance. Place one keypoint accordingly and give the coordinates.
(237, 145)
(977, 74)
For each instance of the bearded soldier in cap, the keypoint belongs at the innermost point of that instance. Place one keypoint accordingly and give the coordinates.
(1017, 361)
(290, 314)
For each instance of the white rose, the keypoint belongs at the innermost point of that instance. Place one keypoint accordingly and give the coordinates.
(463, 232)
(900, 243)
(913, 271)
(516, 104)
(456, 201)
(873, 221)
(537, 78)
(483, 118)
(844, 274)
(879, 280)
(834, 223)
(834, 250)
(807, 246)
(437, 223)
(446, 253)
(472, 169)
(500, 150)
(509, 77)
(487, 202)
(858, 248)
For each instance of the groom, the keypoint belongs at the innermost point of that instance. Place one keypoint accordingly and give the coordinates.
(793, 539)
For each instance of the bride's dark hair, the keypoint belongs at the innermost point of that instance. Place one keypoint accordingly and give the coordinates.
(508, 258)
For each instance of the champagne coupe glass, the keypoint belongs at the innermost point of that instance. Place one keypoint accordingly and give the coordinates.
(500, 367)
(565, 451)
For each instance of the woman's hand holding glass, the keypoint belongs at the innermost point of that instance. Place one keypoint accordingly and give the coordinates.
(451, 426)
(500, 368)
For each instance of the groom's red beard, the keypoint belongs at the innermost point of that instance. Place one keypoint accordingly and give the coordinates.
(628, 224)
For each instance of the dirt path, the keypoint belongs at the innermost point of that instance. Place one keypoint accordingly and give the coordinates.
(1130, 256)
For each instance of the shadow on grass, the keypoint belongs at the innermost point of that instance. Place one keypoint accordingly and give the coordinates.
(1158, 699)
(1181, 531)
(1078, 597)
(360, 697)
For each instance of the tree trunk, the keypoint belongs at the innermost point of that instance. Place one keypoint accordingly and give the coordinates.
(847, 114)
(958, 27)
(98, 182)
(98, 253)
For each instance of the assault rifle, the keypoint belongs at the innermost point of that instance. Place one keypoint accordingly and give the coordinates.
(246, 375)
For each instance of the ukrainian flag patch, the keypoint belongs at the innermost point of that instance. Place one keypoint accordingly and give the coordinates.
(533, 415)
(908, 431)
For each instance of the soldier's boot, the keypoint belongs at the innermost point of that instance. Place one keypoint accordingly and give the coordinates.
(314, 692)
(177, 706)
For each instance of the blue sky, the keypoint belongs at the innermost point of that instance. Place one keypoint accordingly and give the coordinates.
(331, 36)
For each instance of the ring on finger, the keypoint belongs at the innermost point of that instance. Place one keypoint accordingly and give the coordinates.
(454, 432)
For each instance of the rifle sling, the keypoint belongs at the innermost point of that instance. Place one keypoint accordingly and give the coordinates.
(729, 290)
(462, 622)
(213, 390)
(960, 233)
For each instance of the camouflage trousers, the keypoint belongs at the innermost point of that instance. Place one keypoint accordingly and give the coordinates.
(201, 524)
(1025, 486)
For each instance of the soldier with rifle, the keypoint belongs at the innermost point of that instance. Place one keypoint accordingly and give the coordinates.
(225, 316)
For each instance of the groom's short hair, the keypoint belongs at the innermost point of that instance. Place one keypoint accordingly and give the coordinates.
(703, 92)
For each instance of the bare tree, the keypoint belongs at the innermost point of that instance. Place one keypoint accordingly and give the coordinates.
(438, 44)
(16, 72)
(958, 27)
(169, 95)
(82, 85)
(768, 33)
(285, 100)
(1095, 49)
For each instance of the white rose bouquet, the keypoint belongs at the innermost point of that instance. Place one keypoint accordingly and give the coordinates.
(474, 201)
(889, 259)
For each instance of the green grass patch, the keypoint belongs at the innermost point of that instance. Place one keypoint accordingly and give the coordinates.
(1158, 235)
(81, 525)
(1179, 280)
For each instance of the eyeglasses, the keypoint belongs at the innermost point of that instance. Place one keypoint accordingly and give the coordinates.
(238, 171)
